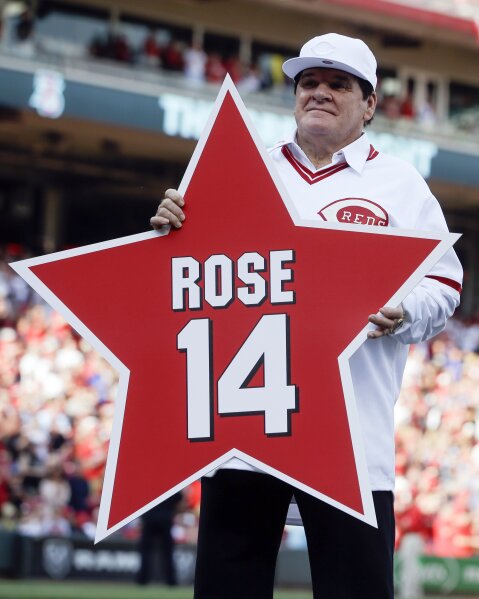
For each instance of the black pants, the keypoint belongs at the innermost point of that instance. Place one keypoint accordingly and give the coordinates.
(156, 534)
(241, 526)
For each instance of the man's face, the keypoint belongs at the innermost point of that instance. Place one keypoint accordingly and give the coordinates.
(330, 104)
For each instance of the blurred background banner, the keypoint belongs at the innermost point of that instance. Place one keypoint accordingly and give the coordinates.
(101, 104)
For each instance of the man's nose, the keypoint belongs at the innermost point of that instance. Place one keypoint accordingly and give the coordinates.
(322, 92)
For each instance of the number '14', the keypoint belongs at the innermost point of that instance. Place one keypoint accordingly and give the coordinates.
(266, 345)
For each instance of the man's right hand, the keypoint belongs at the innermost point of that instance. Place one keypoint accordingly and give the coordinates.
(169, 211)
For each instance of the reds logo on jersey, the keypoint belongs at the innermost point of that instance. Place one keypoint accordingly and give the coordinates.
(358, 211)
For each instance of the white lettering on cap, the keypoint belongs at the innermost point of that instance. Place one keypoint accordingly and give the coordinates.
(323, 49)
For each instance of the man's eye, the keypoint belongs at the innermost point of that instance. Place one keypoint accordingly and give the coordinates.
(338, 85)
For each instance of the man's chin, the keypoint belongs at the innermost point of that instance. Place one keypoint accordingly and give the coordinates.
(319, 118)
(318, 126)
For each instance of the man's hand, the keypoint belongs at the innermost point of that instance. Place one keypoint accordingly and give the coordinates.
(169, 211)
(388, 321)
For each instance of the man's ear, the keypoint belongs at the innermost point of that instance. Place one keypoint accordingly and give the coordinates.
(371, 101)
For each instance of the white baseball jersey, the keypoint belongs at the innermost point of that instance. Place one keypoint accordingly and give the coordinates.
(366, 187)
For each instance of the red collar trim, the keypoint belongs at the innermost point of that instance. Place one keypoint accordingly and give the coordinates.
(311, 177)
(372, 153)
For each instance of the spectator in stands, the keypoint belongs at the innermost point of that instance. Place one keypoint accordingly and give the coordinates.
(97, 47)
(5, 493)
(115, 46)
(215, 68)
(54, 490)
(172, 56)
(25, 24)
(27, 462)
(151, 49)
(4, 310)
(156, 532)
(234, 68)
(264, 65)
(195, 63)
(90, 449)
(453, 532)
(391, 107)
(409, 517)
(79, 488)
(30, 521)
(277, 74)
(251, 82)
(426, 112)
(121, 48)
(406, 109)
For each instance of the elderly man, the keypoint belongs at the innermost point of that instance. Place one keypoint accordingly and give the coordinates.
(332, 172)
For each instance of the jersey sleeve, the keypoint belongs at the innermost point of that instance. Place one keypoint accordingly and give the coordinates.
(435, 299)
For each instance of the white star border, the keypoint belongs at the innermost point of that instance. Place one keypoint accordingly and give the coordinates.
(23, 268)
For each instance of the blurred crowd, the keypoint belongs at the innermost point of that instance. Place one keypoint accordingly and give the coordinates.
(437, 435)
(160, 49)
(57, 399)
(173, 55)
(396, 103)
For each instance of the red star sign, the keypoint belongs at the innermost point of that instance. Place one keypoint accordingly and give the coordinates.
(232, 335)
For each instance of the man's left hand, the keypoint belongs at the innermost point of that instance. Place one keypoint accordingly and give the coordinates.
(387, 321)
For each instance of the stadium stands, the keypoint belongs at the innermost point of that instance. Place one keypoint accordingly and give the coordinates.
(71, 146)
(56, 407)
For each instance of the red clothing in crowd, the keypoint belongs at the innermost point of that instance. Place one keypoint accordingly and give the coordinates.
(215, 69)
(173, 57)
(452, 534)
(151, 47)
(412, 520)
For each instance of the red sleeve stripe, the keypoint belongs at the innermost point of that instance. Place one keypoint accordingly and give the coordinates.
(450, 282)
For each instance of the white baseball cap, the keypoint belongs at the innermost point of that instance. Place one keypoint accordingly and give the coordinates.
(334, 51)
